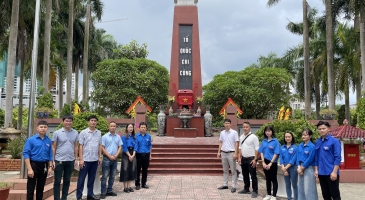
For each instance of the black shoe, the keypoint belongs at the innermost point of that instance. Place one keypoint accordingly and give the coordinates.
(244, 192)
(254, 195)
(138, 187)
(223, 187)
(113, 194)
(233, 190)
(126, 190)
(92, 198)
(130, 189)
(102, 196)
(145, 186)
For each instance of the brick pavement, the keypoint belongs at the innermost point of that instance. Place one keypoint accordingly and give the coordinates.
(183, 187)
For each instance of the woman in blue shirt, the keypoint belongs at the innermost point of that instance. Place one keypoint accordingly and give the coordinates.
(288, 158)
(128, 169)
(270, 149)
(307, 187)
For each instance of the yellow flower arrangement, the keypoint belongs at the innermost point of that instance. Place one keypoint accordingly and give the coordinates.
(199, 100)
(171, 99)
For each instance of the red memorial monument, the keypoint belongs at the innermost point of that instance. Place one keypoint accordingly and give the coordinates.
(185, 85)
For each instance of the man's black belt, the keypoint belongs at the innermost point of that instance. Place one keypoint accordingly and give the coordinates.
(144, 154)
(248, 158)
(227, 151)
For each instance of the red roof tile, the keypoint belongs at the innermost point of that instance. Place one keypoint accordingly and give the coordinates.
(346, 131)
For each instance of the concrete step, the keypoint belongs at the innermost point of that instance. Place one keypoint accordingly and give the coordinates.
(183, 150)
(184, 159)
(186, 165)
(188, 146)
(175, 171)
(185, 154)
(71, 189)
(21, 194)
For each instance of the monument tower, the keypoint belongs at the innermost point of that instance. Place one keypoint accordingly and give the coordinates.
(185, 69)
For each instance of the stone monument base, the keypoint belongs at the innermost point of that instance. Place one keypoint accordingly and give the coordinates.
(185, 132)
(173, 123)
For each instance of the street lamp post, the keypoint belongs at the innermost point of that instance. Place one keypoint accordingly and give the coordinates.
(23, 173)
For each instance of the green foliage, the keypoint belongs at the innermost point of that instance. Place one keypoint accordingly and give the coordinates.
(45, 101)
(341, 115)
(24, 117)
(152, 121)
(117, 83)
(66, 110)
(15, 146)
(6, 185)
(131, 51)
(282, 126)
(80, 122)
(360, 111)
(353, 116)
(256, 91)
(2, 117)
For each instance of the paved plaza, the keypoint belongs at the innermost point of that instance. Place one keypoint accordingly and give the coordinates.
(205, 187)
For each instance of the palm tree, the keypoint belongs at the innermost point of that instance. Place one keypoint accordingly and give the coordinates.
(330, 66)
(98, 10)
(306, 56)
(69, 50)
(47, 45)
(11, 62)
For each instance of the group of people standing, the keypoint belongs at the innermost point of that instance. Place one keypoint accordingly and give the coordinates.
(301, 164)
(68, 150)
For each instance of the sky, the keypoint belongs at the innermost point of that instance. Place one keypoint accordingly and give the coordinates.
(233, 33)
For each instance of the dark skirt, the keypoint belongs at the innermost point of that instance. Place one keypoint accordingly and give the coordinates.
(128, 170)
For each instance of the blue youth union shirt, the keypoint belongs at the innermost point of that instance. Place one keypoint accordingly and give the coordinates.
(270, 148)
(38, 149)
(288, 155)
(143, 143)
(305, 154)
(128, 142)
(328, 154)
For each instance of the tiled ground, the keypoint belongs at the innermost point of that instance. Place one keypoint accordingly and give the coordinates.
(182, 187)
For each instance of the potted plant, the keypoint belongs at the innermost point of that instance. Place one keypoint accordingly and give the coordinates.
(199, 101)
(171, 100)
(4, 190)
(328, 114)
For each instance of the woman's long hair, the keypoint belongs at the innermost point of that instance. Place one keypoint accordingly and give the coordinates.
(127, 133)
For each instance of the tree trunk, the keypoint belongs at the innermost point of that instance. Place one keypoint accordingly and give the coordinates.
(70, 43)
(85, 92)
(47, 46)
(318, 99)
(21, 83)
(13, 36)
(362, 47)
(307, 87)
(77, 69)
(347, 105)
(329, 44)
(60, 87)
(358, 79)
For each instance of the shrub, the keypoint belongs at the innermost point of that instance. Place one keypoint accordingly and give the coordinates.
(45, 101)
(15, 146)
(296, 127)
(360, 111)
(24, 117)
(80, 122)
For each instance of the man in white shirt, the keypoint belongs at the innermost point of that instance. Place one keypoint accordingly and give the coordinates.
(228, 151)
(249, 145)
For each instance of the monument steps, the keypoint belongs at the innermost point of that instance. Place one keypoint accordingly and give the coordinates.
(19, 190)
(185, 150)
(185, 159)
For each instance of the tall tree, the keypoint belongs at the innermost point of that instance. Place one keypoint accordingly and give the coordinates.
(330, 66)
(47, 46)
(11, 62)
(97, 8)
(70, 43)
(308, 109)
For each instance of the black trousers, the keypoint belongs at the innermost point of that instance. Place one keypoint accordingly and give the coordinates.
(143, 161)
(271, 176)
(40, 170)
(248, 170)
(330, 189)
